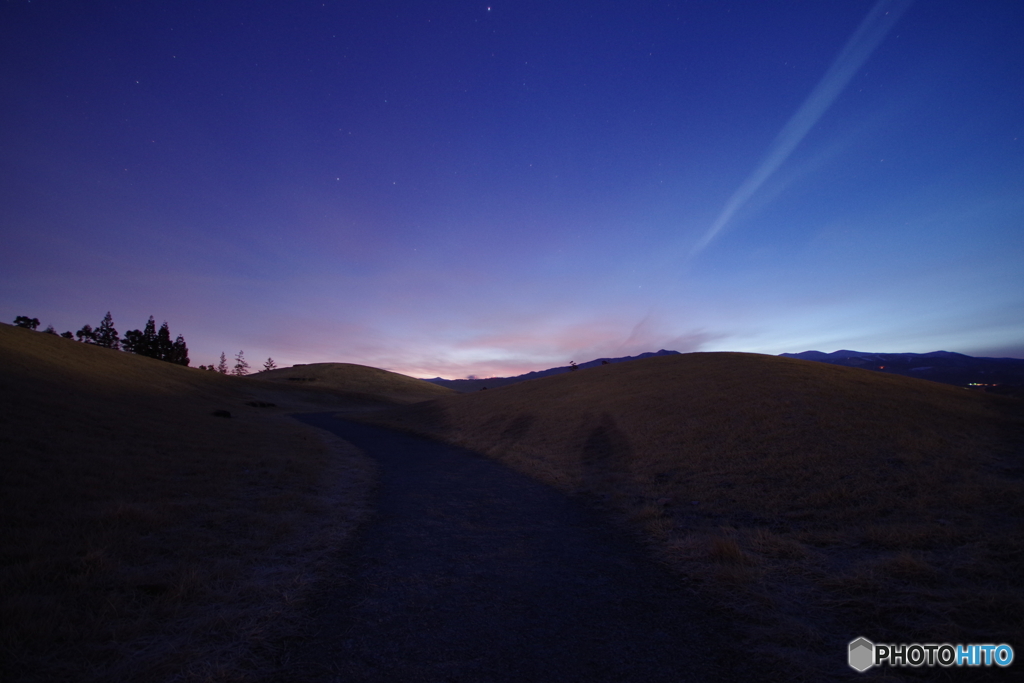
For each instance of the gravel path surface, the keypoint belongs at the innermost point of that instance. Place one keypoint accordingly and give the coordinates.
(469, 571)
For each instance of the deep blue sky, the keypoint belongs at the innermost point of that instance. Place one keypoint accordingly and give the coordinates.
(454, 188)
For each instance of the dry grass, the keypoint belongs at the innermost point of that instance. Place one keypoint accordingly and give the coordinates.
(144, 539)
(357, 384)
(818, 503)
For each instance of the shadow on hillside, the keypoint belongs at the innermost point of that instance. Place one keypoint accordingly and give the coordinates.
(516, 429)
(605, 457)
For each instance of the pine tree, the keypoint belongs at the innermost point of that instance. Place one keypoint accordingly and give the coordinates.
(157, 344)
(179, 352)
(222, 366)
(149, 344)
(86, 335)
(241, 366)
(164, 345)
(133, 342)
(141, 342)
(106, 335)
(269, 365)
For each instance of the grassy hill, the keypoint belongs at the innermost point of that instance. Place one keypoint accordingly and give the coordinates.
(357, 383)
(144, 538)
(819, 503)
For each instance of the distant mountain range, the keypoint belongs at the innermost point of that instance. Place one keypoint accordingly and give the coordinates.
(467, 385)
(998, 375)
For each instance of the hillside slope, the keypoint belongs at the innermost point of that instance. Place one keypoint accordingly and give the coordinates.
(145, 538)
(358, 382)
(798, 492)
(996, 375)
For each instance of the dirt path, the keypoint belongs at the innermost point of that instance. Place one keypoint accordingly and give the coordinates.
(472, 572)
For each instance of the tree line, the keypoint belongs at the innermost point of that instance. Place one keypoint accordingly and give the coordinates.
(149, 341)
(241, 367)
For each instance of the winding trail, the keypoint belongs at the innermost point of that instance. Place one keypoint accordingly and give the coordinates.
(469, 571)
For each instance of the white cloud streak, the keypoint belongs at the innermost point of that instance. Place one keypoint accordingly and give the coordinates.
(858, 48)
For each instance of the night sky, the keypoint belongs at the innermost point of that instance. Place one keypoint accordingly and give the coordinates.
(489, 188)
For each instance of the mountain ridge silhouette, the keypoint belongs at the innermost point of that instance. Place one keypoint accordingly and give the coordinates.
(999, 375)
(476, 384)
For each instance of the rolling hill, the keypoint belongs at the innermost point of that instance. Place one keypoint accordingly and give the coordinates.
(146, 538)
(355, 383)
(995, 375)
(799, 493)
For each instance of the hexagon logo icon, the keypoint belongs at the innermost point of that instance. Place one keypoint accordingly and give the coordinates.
(862, 654)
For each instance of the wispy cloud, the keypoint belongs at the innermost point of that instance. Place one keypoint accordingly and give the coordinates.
(858, 48)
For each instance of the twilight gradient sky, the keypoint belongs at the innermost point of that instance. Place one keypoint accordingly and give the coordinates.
(461, 187)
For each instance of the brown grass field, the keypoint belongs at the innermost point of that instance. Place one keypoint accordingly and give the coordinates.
(360, 385)
(144, 539)
(815, 503)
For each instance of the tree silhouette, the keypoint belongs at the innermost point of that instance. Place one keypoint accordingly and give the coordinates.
(179, 352)
(157, 344)
(147, 342)
(164, 345)
(132, 342)
(149, 347)
(222, 366)
(572, 366)
(106, 335)
(49, 330)
(141, 342)
(86, 335)
(269, 365)
(241, 366)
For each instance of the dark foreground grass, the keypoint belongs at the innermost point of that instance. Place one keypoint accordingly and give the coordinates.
(145, 539)
(815, 503)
